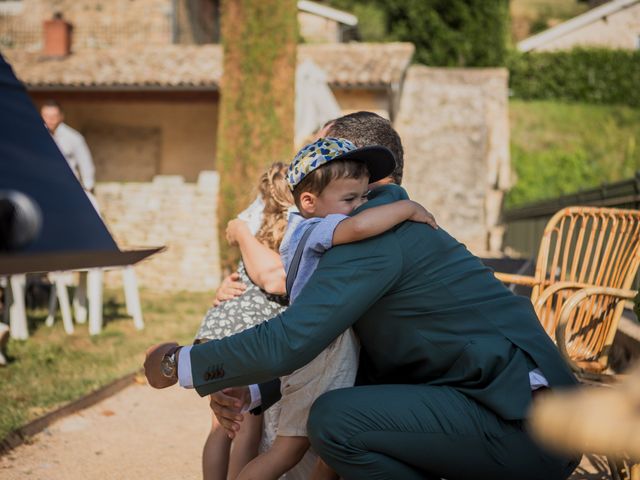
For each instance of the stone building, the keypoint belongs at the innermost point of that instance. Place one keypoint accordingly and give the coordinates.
(120, 23)
(615, 25)
(145, 95)
(455, 129)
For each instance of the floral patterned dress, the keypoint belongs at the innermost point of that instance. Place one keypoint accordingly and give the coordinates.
(254, 306)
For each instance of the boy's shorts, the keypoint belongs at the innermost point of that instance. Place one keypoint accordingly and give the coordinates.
(335, 367)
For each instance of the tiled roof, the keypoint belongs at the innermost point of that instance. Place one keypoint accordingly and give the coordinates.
(168, 66)
(360, 64)
(200, 66)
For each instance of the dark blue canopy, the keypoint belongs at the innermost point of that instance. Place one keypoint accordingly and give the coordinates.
(72, 235)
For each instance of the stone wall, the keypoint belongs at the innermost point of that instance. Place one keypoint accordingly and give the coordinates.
(170, 212)
(353, 100)
(455, 131)
(96, 23)
(317, 29)
(619, 30)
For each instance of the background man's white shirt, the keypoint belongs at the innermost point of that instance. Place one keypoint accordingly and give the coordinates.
(75, 150)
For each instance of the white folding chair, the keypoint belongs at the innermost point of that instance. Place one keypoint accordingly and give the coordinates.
(88, 299)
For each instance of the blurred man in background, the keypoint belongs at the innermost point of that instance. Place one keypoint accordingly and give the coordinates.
(71, 143)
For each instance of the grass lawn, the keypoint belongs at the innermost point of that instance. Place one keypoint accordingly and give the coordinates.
(52, 368)
(559, 148)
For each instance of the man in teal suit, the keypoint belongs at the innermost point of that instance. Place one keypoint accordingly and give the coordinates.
(450, 361)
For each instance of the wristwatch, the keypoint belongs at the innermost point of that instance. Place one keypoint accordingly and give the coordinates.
(169, 363)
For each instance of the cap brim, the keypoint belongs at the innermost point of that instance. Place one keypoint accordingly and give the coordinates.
(379, 160)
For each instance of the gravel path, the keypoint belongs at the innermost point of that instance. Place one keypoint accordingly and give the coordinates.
(138, 433)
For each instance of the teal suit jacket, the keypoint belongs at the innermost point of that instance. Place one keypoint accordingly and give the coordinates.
(426, 310)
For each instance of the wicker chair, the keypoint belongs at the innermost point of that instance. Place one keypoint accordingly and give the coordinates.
(586, 265)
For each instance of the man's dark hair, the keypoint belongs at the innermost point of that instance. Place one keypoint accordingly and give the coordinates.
(52, 103)
(368, 128)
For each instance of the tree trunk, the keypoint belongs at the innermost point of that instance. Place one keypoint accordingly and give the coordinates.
(256, 115)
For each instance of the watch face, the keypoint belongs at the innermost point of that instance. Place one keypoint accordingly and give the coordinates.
(168, 366)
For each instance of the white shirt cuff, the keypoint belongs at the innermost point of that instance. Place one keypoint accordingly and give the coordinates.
(537, 379)
(184, 367)
(256, 398)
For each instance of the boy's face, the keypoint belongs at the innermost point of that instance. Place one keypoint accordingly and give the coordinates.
(342, 195)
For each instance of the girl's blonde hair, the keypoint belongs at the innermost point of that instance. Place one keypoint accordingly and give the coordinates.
(277, 199)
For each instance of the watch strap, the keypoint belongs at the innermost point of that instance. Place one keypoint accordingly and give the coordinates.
(172, 350)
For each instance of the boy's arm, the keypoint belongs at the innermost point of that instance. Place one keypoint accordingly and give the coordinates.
(376, 220)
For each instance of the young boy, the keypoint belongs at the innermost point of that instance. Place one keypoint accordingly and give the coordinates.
(329, 179)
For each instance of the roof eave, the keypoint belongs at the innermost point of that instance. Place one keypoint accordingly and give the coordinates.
(121, 88)
(327, 12)
(359, 86)
(564, 28)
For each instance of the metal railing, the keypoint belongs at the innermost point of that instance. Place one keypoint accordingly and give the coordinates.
(525, 224)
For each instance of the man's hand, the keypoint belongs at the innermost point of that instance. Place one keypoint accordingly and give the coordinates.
(152, 361)
(227, 405)
(422, 215)
(235, 229)
(230, 287)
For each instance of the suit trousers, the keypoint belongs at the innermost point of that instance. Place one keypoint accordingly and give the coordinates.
(424, 432)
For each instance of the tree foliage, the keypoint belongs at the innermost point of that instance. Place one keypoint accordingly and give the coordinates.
(461, 33)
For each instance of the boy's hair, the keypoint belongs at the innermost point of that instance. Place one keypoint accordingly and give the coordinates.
(277, 198)
(316, 181)
(368, 128)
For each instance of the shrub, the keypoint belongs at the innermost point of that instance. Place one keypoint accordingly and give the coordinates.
(579, 75)
(457, 33)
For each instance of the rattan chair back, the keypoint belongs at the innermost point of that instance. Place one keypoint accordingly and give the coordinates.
(585, 247)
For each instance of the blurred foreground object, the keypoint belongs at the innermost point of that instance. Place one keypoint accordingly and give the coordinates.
(47, 221)
(20, 220)
(72, 235)
(593, 419)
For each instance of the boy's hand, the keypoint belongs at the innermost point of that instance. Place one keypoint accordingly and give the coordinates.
(422, 215)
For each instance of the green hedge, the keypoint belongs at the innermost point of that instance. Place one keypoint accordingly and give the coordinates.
(582, 75)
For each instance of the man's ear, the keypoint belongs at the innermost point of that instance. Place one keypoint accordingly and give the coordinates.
(308, 202)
